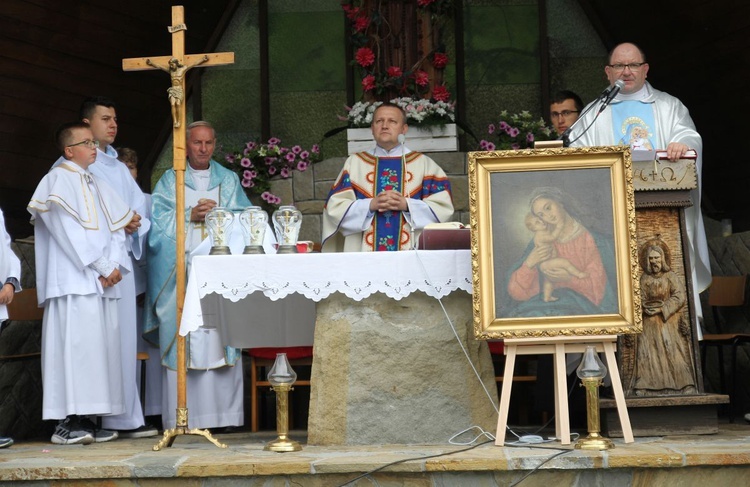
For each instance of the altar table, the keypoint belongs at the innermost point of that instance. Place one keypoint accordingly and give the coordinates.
(274, 295)
(387, 367)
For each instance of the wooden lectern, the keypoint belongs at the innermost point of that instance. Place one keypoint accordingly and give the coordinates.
(664, 392)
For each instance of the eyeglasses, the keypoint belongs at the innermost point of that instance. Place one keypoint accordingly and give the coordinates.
(631, 66)
(564, 113)
(91, 144)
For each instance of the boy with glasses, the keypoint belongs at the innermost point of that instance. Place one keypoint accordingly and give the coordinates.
(79, 232)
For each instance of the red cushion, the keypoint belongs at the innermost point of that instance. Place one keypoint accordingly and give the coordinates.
(496, 348)
(291, 352)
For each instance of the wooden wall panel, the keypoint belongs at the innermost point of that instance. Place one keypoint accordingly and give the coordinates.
(54, 53)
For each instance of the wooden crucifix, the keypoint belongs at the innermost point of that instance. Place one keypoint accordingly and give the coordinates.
(177, 65)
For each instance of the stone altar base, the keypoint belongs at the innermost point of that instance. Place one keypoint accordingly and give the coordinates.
(658, 416)
(387, 371)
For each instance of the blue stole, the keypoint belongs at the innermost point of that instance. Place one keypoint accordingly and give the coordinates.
(633, 124)
(389, 173)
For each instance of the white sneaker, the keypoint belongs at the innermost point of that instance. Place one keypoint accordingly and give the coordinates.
(70, 432)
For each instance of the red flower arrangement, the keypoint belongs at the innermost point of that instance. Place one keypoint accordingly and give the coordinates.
(381, 80)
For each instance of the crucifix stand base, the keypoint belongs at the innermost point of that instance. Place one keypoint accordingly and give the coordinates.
(182, 429)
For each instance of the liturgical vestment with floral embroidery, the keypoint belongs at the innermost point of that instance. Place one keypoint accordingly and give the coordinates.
(363, 176)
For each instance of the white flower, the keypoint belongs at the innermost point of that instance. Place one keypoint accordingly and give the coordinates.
(417, 111)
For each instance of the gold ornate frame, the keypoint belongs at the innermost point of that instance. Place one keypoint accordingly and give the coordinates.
(500, 184)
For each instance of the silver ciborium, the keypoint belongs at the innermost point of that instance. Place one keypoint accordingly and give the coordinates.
(253, 221)
(287, 221)
(219, 222)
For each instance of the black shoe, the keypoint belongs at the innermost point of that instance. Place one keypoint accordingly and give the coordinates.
(145, 431)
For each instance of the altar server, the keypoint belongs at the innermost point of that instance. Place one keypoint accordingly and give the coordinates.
(10, 273)
(101, 115)
(79, 232)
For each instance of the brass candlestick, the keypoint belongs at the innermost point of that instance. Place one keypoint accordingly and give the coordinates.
(591, 372)
(282, 377)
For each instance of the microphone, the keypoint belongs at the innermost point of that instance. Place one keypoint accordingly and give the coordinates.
(401, 138)
(611, 93)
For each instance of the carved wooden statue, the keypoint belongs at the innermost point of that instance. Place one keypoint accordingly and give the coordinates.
(663, 360)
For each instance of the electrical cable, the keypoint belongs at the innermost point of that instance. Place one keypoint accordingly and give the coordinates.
(491, 438)
(520, 439)
(396, 462)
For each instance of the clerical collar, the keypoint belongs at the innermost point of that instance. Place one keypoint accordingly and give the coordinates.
(639, 95)
(199, 173)
(397, 151)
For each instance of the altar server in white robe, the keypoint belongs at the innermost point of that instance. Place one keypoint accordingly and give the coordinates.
(383, 198)
(214, 372)
(10, 274)
(79, 232)
(639, 113)
(152, 398)
(100, 113)
(10, 271)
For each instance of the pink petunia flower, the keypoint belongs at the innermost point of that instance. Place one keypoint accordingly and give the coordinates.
(491, 129)
(246, 162)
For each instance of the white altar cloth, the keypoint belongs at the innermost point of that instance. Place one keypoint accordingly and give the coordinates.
(315, 276)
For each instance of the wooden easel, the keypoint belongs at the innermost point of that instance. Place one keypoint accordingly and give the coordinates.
(559, 346)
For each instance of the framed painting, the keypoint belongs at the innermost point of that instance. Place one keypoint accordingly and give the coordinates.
(553, 243)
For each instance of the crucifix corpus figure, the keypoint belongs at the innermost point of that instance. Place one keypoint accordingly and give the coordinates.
(176, 92)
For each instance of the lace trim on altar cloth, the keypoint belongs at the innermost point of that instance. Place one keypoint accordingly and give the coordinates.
(357, 275)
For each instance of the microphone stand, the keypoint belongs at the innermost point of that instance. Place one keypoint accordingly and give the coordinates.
(565, 136)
